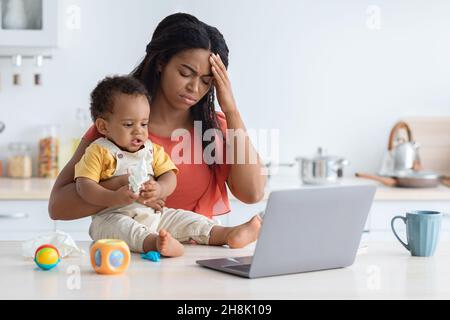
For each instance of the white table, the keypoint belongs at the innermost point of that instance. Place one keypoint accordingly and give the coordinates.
(382, 271)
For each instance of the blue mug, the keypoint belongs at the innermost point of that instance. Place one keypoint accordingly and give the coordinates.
(422, 231)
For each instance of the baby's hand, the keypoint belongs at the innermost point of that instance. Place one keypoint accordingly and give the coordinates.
(151, 191)
(156, 205)
(124, 196)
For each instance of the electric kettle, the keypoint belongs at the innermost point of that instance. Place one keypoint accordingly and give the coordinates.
(403, 153)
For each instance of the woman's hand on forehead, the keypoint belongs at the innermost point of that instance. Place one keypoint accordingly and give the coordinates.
(223, 85)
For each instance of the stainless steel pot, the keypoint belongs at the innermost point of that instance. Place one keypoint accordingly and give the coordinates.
(321, 169)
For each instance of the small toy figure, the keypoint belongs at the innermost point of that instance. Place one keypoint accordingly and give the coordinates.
(47, 257)
(151, 255)
(110, 256)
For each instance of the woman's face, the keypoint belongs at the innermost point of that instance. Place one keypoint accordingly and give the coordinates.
(186, 78)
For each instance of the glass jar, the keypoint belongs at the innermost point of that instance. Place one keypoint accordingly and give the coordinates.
(48, 153)
(19, 164)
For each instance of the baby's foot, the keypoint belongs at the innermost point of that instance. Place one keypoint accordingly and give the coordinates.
(246, 233)
(168, 246)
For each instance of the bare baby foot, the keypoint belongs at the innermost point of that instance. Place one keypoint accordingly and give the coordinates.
(168, 246)
(246, 233)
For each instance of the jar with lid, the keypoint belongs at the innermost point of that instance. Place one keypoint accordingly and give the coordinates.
(19, 163)
(48, 152)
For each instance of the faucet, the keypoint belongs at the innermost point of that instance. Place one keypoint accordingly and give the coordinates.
(269, 165)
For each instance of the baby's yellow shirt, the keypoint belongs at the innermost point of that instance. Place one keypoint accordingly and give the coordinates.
(98, 163)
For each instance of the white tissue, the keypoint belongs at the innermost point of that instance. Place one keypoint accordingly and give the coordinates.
(138, 175)
(61, 240)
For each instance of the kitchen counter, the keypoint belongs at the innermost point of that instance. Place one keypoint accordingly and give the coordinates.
(383, 193)
(39, 189)
(382, 270)
(25, 189)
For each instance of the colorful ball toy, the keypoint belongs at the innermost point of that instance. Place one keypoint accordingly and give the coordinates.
(110, 256)
(47, 257)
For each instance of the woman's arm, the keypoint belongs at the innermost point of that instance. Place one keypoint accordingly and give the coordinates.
(93, 193)
(65, 203)
(245, 179)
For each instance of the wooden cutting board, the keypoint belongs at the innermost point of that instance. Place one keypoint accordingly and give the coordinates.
(433, 135)
(446, 181)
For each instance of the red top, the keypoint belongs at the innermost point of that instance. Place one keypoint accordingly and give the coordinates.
(199, 188)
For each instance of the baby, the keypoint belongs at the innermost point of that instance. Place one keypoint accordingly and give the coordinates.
(120, 108)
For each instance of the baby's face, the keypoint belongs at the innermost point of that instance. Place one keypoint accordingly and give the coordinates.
(127, 126)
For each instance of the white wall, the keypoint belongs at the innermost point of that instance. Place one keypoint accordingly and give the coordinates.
(312, 69)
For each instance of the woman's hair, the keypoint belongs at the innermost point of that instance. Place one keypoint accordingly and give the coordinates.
(174, 34)
(102, 97)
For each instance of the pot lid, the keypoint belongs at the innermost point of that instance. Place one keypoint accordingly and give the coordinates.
(321, 154)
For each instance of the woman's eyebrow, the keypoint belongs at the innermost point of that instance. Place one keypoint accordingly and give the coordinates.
(195, 71)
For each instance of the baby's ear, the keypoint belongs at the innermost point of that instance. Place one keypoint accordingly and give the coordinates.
(101, 126)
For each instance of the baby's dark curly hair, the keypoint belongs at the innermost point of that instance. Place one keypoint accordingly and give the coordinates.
(102, 97)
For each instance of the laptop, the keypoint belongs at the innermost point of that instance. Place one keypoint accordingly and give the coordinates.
(308, 229)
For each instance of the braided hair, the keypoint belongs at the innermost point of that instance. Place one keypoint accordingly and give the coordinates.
(175, 33)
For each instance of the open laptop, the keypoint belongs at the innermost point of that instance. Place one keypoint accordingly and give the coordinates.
(305, 230)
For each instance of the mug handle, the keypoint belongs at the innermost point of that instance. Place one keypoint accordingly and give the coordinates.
(395, 233)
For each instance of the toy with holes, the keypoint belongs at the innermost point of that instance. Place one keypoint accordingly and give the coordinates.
(110, 256)
(47, 257)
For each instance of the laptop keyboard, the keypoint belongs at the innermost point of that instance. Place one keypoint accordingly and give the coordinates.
(241, 267)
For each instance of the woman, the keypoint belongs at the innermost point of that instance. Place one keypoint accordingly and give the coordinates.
(186, 61)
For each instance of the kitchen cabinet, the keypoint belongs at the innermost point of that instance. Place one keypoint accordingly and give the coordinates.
(26, 219)
(382, 213)
(378, 224)
(241, 212)
(24, 213)
(29, 23)
(78, 229)
(377, 228)
(20, 220)
(388, 202)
